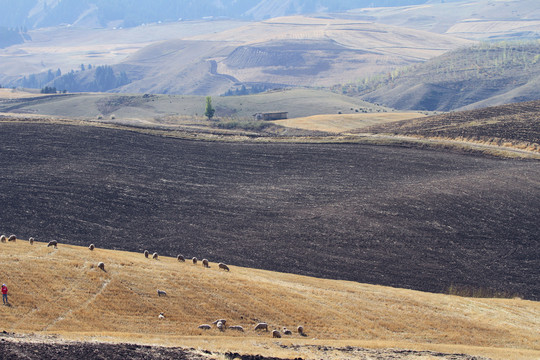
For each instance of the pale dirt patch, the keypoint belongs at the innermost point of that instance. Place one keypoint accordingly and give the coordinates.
(339, 123)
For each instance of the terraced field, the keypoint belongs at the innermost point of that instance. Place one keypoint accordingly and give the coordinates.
(402, 217)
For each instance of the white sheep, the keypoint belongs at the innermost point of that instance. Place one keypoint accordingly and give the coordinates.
(205, 327)
(261, 326)
(220, 320)
(101, 266)
(161, 292)
(12, 238)
(286, 331)
(155, 256)
(53, 243)
(205, 263)
(220, 326)
(237, 327)
(161, 316)
(3, 238)
(276, 334)
(300, 330)
(194, 260)
(146, 253)
(223, 266)
(31, 241)
(180, 257)
(91, 247)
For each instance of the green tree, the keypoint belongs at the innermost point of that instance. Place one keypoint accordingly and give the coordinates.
(209, 112)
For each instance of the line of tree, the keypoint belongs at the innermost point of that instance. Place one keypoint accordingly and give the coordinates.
(88, 78)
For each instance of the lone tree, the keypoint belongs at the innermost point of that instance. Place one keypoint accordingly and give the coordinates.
(209, 112)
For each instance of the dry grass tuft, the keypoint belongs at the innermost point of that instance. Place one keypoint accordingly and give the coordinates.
(61, 291)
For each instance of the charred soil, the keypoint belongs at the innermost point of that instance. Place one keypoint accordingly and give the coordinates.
(401, 217)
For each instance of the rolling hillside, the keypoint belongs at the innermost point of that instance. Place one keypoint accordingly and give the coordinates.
(485, 75)
(409, 218)
(62, 292)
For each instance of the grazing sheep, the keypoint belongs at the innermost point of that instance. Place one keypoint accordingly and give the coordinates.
(301, 330)
(91, 247)
(194, 260)
(161, 292)
(220, 326)
(53, 243)
(237, 327)
(286, 331)
(220, 320)
(12, 238)
(223, 266)
(3, 238)
(205, 327)
(161, 316)
(155, 256)
(180, 257)
(31, 241)
(146, 253)
(205, 263)
(101, 266)
(261, 326)
(276, 334)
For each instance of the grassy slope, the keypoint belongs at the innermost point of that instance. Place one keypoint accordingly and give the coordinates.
(297, 102)
(484, 75)
(61, 291)
(515, 125)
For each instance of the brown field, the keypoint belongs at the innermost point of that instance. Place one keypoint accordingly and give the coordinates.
(62, 292)
(339, 123)
(9, 94)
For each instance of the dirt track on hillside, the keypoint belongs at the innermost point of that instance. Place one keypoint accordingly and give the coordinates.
(392, 216)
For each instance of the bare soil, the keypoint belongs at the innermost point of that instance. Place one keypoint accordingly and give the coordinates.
(401, 217)
(13, 346)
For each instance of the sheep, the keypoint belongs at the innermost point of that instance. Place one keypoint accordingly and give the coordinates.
(220, 326)
(301, 330)
(237, 327)
(31, 241)
(194, 260)
(146, 253)
(53, 243)
(161, 316)
(12, 238)
(3, 238)
(204, 327)
(91, 247)
(180, 257)
(205, 263)
(155, 256)
(161, 292)
(276, 334)
(101, 266)
(286, 331)
(223, 266)
(223, 321)
(261, 326)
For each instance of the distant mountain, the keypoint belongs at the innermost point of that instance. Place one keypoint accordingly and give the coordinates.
(484, 75)
(127, 13)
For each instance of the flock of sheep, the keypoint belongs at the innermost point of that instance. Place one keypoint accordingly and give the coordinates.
(220, 323)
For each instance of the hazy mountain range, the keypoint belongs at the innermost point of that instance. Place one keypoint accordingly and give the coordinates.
(45, 13)
(217, 47)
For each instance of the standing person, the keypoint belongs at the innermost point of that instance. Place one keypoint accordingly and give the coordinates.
(4, 294)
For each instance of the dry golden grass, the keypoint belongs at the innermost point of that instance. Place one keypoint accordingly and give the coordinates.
(17, 94)
(339, 123)
(61, 291)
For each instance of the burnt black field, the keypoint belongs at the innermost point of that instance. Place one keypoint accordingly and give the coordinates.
(410, 218)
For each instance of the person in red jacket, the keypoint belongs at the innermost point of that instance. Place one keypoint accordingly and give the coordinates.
(4, 294)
